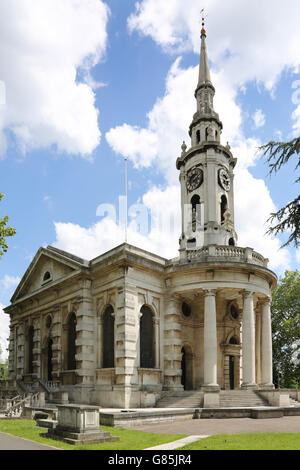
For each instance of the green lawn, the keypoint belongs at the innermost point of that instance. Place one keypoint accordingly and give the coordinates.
(258, 441)
(129, 440)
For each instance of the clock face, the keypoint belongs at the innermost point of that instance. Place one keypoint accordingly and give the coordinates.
(194, 179)
(224, 179)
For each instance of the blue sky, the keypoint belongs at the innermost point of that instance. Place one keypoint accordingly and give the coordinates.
(89, 83)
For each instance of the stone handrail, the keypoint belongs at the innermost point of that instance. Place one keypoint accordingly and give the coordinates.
(17, 406)
(227, 253)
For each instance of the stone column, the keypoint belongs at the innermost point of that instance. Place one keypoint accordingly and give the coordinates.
(248, 346)
(258, 346)
(210, 341)
(172, 346)
(267, 369)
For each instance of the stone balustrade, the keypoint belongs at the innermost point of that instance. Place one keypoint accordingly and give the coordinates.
(227, 253)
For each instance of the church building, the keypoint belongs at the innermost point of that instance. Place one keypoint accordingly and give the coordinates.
(129, 327)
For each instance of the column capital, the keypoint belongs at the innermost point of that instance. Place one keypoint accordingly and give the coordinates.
(266, 301)
(210, 292)
(247, 294)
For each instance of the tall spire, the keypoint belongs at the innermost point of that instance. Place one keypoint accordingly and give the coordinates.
(204, 72)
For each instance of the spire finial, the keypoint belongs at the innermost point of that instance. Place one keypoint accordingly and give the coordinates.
(203, 31)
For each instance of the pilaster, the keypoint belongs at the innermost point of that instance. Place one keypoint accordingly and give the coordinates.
(172, 346)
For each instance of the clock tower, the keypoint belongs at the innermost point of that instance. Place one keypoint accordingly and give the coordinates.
(206, 172)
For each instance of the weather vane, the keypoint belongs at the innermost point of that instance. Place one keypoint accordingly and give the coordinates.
(203, 23)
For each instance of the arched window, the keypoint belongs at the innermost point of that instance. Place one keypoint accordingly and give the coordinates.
(198, 137)
(231, 242)
(108, 338)
(223, 207)
(30, 350)
(196, 211)
(233, 340)
(147, 357)
(72, 342)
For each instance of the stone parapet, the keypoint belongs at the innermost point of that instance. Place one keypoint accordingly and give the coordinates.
(214, 253)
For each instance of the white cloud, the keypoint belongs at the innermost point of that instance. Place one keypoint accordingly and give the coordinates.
(4, 332)
(47, 52)
(245, 38)
(9, 283)
(253, 205)
(161, 235)
(259, 118)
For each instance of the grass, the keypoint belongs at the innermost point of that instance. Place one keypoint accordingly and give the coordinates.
(255, 441)
(129, 440)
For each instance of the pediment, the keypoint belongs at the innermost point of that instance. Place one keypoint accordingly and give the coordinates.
(48, 266)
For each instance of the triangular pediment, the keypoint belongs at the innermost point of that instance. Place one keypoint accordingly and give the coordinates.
(48, 267)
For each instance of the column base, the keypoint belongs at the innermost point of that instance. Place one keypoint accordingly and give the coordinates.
(249, 387)
(210, 388)
(266, 386)
(175, 388)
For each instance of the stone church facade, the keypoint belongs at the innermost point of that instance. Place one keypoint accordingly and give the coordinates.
(127, 327)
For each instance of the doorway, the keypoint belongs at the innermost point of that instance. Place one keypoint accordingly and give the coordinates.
(187, 368)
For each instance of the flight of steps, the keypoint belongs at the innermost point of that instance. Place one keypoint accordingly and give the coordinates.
(184, 399)
(228, 399)
(241, 399)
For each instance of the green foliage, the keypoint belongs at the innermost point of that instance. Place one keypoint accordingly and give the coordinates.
(3, 367)
(5, 232)
(288, 217)
(286, 331)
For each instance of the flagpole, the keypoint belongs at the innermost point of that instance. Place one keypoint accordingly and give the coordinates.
(125, 161)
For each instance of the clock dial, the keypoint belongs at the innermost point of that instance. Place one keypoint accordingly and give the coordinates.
(224, 179)
(194, 179)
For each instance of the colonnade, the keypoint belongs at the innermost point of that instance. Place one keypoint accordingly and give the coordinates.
(256, 342)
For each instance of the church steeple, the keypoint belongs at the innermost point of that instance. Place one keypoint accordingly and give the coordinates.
(204, 72)
(206, 172)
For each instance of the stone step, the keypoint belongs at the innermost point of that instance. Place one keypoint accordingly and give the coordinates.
(228, 399)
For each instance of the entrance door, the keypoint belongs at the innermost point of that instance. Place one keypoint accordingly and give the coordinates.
(231, 372)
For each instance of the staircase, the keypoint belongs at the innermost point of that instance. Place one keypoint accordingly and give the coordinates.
(228, 399)
(184, 399)
(241, 399)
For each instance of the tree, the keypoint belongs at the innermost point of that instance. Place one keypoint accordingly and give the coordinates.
(3, 367)
(286, 330)
(287, 219)
(5, 231)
